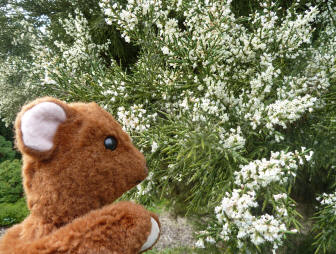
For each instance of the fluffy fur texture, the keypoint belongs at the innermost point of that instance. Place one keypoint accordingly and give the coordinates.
(71, 185)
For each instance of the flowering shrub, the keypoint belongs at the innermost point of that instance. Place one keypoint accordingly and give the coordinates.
(229, 81)
(215, 100)
(258, 211)
(223, 55)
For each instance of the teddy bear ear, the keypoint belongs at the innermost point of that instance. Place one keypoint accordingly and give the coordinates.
(37, 124)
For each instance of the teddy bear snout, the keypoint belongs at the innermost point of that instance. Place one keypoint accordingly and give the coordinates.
(143, 176)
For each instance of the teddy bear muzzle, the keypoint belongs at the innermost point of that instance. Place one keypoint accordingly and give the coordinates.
(142, 177)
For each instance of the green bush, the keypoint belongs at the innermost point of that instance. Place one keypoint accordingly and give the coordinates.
(12, 213)
(10, 181)
(13, 207)
(6, 150)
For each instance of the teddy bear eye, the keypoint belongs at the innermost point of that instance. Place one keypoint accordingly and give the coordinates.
(111, 143)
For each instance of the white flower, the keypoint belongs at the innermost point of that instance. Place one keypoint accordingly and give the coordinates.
(165, 50)
(200, 243)
(154, 146)
(127, 39)
(210, 240)
(328, 200)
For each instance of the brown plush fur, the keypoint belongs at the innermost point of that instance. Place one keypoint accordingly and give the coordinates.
(70, 189)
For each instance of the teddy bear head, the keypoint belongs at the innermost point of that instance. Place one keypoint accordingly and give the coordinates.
(76, 158)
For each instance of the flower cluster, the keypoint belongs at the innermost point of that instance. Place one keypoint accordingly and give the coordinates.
(228, 54)
(233, 139)
(237, 213)
(325, 226)
(261, 173)
(128, 17)
(134, 120)
(145, 187)
(67, 59)
(328, 200)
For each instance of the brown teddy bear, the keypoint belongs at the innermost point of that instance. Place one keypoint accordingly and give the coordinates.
(76, 161)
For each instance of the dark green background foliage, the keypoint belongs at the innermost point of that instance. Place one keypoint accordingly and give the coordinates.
(6, 132)
(6, 150)
(12, 213)
(10, 181)
(12, 203)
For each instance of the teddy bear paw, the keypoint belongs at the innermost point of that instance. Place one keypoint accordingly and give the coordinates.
(153, 236)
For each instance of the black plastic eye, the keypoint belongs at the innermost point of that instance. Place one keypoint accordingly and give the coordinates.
(111, 143)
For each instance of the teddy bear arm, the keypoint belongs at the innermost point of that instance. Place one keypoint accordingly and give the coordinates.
(119, 228)
(10, 243)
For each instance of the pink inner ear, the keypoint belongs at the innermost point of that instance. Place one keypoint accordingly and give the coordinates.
(39, 125)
